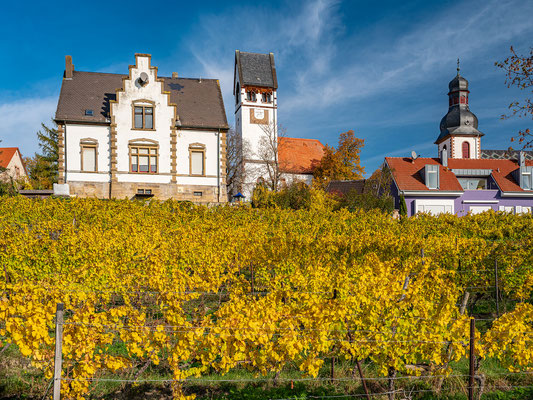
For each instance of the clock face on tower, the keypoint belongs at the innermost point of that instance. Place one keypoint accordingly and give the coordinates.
(259, 113)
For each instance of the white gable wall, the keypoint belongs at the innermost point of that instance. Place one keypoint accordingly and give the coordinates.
(122, 111)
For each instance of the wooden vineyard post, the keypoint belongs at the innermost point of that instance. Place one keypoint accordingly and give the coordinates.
(471, 359)
(362, 378)
(58, 351)
(496, 287)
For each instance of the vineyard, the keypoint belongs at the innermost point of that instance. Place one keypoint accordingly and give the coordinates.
(179, 295)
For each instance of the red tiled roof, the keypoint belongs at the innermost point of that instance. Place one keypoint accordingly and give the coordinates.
(6, 154)
(406, 172)
(299, 156)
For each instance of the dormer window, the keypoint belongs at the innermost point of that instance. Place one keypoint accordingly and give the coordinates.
(251, 95)
(143, 116)
(431, 176)
(526, 178)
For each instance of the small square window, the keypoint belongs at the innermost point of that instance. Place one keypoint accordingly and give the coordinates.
(199, 194)
(89, 113)
(140, 191)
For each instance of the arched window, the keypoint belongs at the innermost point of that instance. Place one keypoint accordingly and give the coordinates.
(466, 150)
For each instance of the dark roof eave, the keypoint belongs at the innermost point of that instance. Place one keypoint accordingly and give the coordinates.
(64, 120)
(441, 138)
(222, 128)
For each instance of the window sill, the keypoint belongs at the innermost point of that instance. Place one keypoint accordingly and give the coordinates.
(143, 129)
(143, 173)
(88, 172)
(198, 176)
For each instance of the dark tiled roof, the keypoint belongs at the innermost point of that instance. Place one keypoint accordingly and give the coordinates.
(406, 173)
(505, 154)
(256, 69)
(344, 187)
(299, 156)
(199, 103)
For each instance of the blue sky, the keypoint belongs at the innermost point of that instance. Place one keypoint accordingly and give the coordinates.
(379, 68)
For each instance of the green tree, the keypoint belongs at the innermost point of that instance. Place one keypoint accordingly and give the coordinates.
(341, 163)
(403, 206)
(43, 168)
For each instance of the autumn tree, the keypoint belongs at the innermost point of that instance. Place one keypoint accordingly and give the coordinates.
(519, 72)
(237, 151)
(341, 163)
(43, 168)
(270, 145)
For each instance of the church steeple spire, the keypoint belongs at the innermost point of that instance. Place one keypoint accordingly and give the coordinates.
(459, 123)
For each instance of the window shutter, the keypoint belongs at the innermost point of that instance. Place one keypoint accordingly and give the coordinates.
(89, 159)
(197, 163)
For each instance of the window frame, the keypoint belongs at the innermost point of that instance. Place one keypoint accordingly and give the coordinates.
(266, 97)
(251, 96)
(465, 146)
(429, 170)
(89, 143)
(144, 104)
(153, 145)
(197, 148)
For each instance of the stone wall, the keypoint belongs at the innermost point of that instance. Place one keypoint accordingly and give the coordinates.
(127, 190)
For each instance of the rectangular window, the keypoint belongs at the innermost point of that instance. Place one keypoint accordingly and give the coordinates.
(143, 117)
(526, 181)
(197, 162)
(143, 159)
(473, 183)
(88, 158)
(431, 176)
(265, 98)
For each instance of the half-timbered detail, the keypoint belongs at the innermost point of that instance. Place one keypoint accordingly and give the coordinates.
(121, 135)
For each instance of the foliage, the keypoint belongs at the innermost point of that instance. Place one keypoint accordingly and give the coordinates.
(353, 201)
(207, 290)
(403, 206)
(342, 163)
(519, 73)
(43, 168)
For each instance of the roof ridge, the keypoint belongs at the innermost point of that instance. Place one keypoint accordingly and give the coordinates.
(162, 77)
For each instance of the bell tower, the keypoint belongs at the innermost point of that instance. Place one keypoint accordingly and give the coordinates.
(459, 136)
(255, 89)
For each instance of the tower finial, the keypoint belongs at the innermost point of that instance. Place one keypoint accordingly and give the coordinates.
(458, 69)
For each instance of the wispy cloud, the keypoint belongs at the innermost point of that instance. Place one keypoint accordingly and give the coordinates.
(467, 30)
(21, 120)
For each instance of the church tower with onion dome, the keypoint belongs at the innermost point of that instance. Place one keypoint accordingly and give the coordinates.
(459, 136)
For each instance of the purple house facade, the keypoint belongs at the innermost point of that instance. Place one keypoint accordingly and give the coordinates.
(464, 178)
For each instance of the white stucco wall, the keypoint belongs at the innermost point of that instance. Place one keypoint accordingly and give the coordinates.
(15, 168)
(291, 178)
(122, 111)
(458, 147)
(74, 134)
(149, 94)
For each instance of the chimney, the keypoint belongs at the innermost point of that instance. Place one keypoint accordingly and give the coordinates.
(69, 67)
(174, 75)
(444, 157)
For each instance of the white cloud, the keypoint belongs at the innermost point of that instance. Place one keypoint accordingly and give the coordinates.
(467, 30)
(21, 119)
